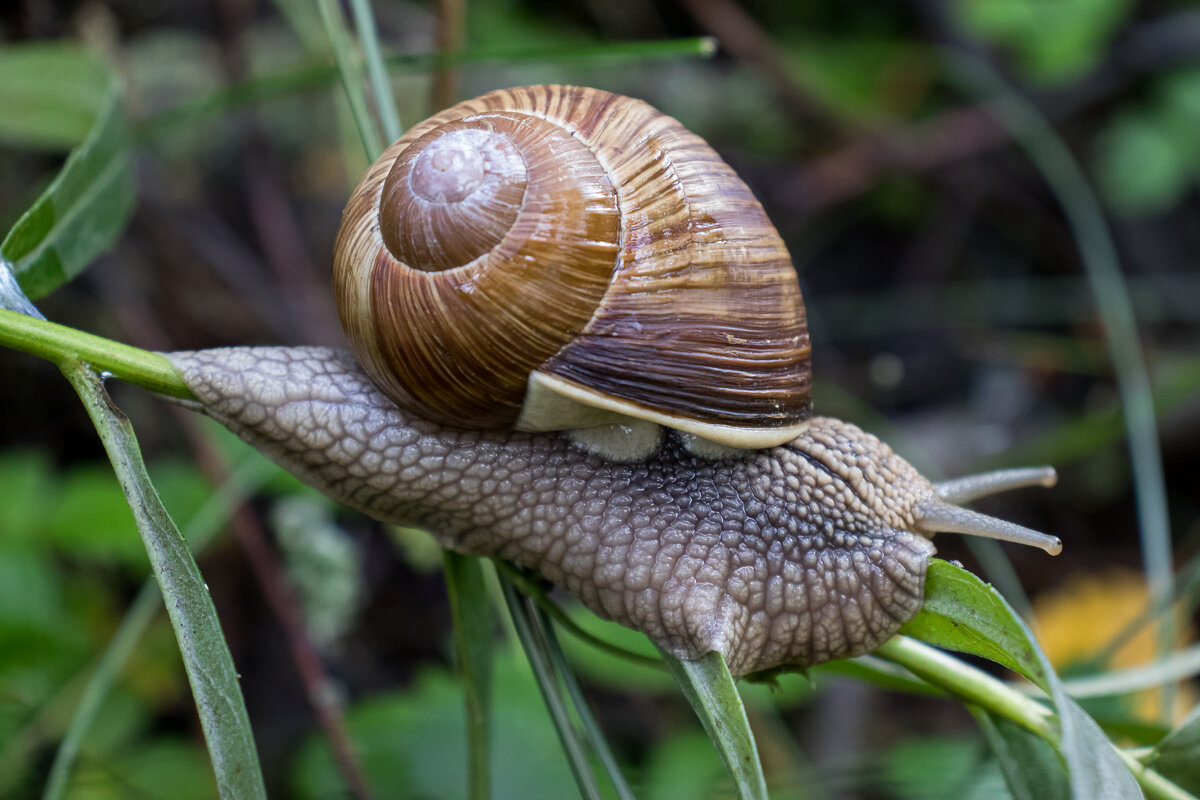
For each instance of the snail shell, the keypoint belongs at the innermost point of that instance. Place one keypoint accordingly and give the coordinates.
(556, 257)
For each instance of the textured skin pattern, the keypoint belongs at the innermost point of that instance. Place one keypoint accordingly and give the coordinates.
(790, 556)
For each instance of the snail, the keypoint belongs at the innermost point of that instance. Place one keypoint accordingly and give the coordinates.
(581, 346)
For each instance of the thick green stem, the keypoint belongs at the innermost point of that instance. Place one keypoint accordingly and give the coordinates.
(59, 343)
(978, 688)
(970, 684)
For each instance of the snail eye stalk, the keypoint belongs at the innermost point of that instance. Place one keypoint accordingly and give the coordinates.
(942, 515)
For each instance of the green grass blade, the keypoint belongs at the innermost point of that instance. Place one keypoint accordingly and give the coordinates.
(86, 206)
(591, 728)
(350, 71)
(206, 656)
(208, 521)
(385, 101)
(1070, 185)
(532, 637)
(714, 697)
(318, 75)
(465, 583)
(1178, 666)
(474, 640)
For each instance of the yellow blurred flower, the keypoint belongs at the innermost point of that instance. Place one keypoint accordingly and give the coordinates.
(1077, 621)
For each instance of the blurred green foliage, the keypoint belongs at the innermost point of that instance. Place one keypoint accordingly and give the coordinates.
(1051, 41)
(68, 552)
(1148, 157)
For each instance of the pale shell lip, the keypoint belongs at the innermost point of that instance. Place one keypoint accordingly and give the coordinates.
(553, 403)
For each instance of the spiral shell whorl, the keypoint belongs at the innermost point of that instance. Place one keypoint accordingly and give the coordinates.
(589, 238)
(465, 180)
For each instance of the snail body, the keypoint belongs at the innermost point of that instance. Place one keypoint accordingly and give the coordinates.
(763, 557)
(748, 527)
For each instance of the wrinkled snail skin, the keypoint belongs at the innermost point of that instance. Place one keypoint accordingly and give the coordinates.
(794, 555)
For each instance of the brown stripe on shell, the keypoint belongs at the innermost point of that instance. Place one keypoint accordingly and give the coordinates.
(705, 292)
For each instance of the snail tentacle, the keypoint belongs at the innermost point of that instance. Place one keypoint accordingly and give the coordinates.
(973, 487)
(940, 517)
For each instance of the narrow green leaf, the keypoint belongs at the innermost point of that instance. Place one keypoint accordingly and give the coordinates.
(1031, 768)
(204, 525)
(350, 69)
(318, 74)
(714, 697)
(474, 641)
(1178, 666)
(385, 101)
(83, 210)
(51, 94)
(206, 657)
(591, 728)
(1178, 755)
(1098, 252)
(963, 613)
(528, 625)
(1093, 761)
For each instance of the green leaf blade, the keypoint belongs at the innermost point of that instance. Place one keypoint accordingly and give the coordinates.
(206, 656)
(86, 206)
(709, 688)
(474, 639)
(1030, 766)
(963, 613)
(1177, 756)
(51, 94)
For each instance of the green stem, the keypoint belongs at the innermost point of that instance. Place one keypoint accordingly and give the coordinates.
(385, 103)
(970, 684)
(538, 594)
(206, 523)
(1153, 784)
(533, 641)
(206, 657)
(350, 68)
(59, 344)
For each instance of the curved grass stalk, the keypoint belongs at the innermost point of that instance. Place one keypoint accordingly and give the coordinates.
(1058, 167)
(207, 522)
